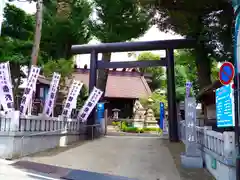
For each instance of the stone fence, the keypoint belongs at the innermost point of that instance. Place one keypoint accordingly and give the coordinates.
(218, 151)
(24, 135)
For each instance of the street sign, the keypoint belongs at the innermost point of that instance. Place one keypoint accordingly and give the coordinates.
(225, 106)
(226, 73)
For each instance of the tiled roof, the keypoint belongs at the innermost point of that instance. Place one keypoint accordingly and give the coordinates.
(120, 84)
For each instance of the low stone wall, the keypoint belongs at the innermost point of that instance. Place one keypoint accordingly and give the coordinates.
(25, 135)
(218, 151)
(14, 145)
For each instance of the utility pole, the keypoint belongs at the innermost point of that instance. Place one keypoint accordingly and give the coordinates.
(38, 32)
(36, 43)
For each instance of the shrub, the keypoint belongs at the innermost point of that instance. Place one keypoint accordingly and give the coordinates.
(148, 129)
(130, 129)
(117, 124)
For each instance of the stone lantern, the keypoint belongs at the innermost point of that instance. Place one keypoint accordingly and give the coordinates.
(115, 114)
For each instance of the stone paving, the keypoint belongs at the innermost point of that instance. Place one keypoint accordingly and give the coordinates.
(140, 157)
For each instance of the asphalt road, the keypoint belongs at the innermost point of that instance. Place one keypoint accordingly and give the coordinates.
(143, 158)
(138, 157)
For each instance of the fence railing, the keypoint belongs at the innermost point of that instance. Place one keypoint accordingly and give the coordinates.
(37, 124)
(220, 144)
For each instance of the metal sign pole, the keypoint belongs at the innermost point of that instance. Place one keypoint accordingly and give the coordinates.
(236, 6)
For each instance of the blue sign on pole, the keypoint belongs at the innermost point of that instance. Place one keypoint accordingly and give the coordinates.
(162, 115)
(188, 88)
(225, 106)
(100, 111)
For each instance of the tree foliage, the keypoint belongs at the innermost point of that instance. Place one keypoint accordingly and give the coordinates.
(16, 41)
(157, 97)
(207, 21)
(117, 21)
(61, 66)
(63, 27)
(82, 97)
(16, 36)
(158, 79)
(185, 70)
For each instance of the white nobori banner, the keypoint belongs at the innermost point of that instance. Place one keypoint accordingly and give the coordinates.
(49, 103)
(28, 91)
(91, 102)
(6, 93)
(71, 98)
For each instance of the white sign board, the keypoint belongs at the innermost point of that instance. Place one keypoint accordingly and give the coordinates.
(49, 103)
(71, 98)
(28, 91)
(91, 102)
(6, 93)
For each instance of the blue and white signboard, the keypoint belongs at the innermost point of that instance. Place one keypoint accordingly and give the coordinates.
(225, 106)
(100, 117)
(100, 111)
(162, 115)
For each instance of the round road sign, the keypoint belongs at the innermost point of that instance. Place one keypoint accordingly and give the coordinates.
(226, 73)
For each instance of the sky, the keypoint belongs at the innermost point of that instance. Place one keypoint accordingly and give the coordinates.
(152, 34)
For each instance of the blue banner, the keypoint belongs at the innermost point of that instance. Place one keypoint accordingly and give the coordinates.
(100, 112)
(162, 115)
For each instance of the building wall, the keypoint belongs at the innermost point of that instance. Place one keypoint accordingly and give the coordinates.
(211, 111)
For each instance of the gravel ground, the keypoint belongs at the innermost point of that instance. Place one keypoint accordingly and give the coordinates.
(144, 158)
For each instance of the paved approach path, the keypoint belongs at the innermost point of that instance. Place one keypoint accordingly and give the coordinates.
(143, 158)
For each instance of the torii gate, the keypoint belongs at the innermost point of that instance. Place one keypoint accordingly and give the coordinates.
(168, 45)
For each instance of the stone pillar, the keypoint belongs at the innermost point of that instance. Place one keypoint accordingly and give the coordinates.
(63, 138)
(13, 118)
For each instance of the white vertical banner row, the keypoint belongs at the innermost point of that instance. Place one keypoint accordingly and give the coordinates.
(49, 102)
(28, 91)
(71, 98)
(91, 102)
(6, 93)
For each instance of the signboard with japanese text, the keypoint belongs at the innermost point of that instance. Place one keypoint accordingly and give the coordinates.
(188, 88)
(71, 98)
(190, 128)
(100, 112)
(162, 115)
(225, 106)
(91, 102)
(6, 92)
(49, 103)
(28, 91)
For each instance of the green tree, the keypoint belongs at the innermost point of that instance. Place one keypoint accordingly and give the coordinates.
(61, 66)
(64, 23)
(82, 97)
(154, 100)
(185, 70)
(207, 21)
(16, 41)
(117, 21)
(158, 79)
